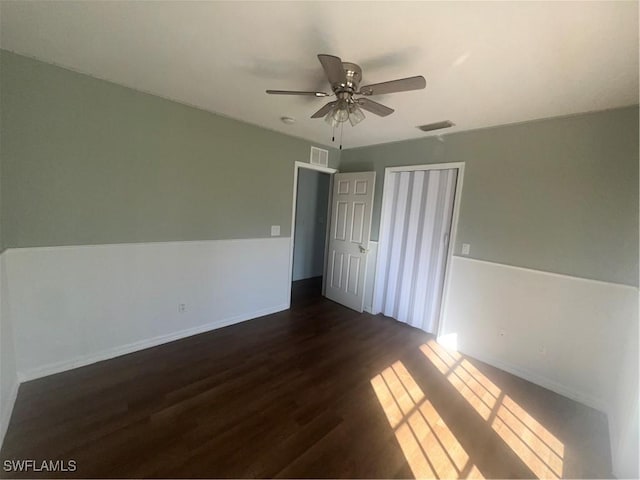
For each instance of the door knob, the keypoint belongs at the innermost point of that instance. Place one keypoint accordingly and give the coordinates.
(362, 249)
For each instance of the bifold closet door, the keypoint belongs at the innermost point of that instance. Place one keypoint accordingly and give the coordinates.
(414, 239)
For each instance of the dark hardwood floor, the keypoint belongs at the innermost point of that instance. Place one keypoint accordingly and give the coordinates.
(315, 391)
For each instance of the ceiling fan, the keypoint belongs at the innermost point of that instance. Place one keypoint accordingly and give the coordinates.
(345, 78)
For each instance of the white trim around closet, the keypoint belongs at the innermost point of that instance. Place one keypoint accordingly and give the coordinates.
(452, 237)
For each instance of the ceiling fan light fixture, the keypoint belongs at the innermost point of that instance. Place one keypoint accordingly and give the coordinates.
(340, 115)
(340, 111)
(331, 120)
(356, 115)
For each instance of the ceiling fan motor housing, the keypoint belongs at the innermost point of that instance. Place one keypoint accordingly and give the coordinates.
(353, 73)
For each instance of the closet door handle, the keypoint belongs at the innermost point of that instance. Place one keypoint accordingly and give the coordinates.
(362, 249)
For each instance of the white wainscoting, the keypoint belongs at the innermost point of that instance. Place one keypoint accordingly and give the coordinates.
(580, 323)
(8, 374)
(72, 306)
(623, 412)
(565, 333)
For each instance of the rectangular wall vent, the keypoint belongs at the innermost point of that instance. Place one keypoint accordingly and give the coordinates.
(319, 157)
(436, 126)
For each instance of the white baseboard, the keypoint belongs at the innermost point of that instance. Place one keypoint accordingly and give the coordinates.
(82, 361)
(5, 416)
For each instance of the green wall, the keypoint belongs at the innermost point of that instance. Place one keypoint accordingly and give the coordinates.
(559, 195)
(85, 161)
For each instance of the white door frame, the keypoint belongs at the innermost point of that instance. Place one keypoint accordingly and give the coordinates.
(297, 166)
(452, 235)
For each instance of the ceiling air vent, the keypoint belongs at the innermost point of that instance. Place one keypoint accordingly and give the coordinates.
(436, 126)
(319, 157)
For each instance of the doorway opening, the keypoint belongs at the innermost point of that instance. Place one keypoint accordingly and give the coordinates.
(312, 189)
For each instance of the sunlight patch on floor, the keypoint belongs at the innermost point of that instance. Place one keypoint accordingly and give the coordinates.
(428, 444)
(541, 451)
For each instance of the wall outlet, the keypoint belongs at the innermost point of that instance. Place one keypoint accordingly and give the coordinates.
(275, 230)
(182, 308)
(542, 350)
(466, 248)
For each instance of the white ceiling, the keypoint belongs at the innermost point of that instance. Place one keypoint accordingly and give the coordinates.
(485, 63)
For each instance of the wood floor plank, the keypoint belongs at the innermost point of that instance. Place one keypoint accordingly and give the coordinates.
(317, 391)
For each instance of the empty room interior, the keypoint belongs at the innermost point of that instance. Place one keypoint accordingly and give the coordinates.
(319, 239)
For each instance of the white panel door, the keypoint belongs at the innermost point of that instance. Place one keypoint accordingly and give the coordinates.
(351, 207)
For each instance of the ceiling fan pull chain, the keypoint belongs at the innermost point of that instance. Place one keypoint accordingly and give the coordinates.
(341, 130)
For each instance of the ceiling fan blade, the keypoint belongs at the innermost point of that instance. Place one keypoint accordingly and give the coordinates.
(293, 92)
(324, 110)
(333, 69)
(393, 86)
(374, 107)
